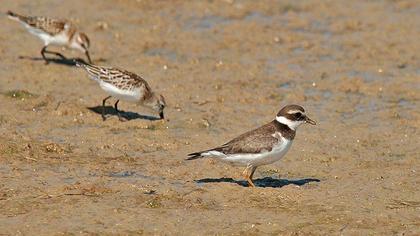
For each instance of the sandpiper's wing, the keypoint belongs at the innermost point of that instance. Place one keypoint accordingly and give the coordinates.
(115, 76)
(48, 25)
(255, 141)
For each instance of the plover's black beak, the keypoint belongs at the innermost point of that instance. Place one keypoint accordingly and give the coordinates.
(161, 115)
(310, 121)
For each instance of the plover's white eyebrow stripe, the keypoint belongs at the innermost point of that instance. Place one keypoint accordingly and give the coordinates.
(295, 111)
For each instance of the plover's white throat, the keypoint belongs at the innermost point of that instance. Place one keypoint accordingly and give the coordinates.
(54, 32)
(262, 146)
(125, 86)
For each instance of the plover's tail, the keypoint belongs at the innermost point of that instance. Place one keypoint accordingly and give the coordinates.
(214, 152)
(195, 155)
(206, 153)
(15, 16)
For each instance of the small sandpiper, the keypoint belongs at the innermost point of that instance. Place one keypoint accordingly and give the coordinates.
(54, 32)
(126, 86)
(261, 146)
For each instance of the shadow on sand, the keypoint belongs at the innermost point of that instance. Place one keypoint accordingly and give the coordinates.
(110, 111)
(266, 182)
(62, 60)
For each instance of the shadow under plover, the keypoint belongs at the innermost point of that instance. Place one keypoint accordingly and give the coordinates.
(261, 146)
(126, 86)
(54, 32)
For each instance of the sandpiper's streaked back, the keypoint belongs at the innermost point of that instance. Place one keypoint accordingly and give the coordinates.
(54, 32)
(126, 86)
(261, 146)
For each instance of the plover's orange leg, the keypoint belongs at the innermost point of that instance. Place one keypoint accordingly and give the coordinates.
(252, 172)
(248, 173)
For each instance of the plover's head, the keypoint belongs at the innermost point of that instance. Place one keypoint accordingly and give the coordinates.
(157, 103)
(293, 116)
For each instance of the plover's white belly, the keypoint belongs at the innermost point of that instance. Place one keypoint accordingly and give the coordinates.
(256, 159)
(125, 95)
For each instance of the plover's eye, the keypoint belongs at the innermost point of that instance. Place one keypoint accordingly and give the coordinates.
(298, 115)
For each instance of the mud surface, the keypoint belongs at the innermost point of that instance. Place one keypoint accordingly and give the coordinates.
(224, 67)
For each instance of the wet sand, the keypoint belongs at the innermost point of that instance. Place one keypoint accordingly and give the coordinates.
(225, 67)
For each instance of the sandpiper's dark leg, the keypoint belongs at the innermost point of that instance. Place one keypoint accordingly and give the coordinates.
(103, 107)
(44, 49)
(56, 53)
(118, 111)
(116, 106)
(88, 56)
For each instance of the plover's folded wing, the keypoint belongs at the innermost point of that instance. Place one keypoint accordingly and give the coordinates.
(251, 142)
(255, 141)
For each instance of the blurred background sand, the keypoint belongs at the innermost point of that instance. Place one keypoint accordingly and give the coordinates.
(225, 67)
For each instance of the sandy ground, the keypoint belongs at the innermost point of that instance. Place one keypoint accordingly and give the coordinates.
(224, 67)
